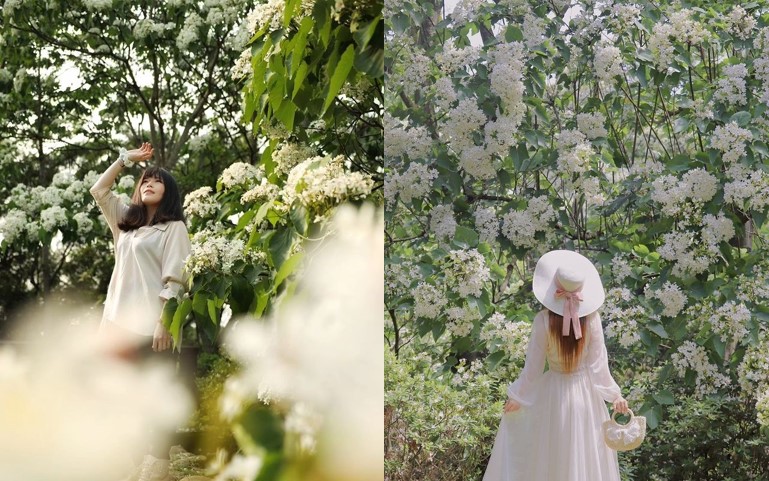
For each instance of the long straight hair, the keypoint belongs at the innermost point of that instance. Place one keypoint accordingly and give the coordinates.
(170, 207)
(569, 346)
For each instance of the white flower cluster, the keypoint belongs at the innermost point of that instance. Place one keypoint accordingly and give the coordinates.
(487, 224)
(533, 30)
(573, 152)
(731, 87)
(428, 301)
(478, 162)
(622, 314)
(762, 407)
(264, 14)
(672, 298)
(13, 225)
(442, 222)
(261, 192)
(126, 182)
(241, 173)
(399, 277)
(458, 126)
(607, 63)
(730, 139)
(450, 58)
(740, 23)
(290, 154)
(681, 28)
(626, 14)
(84, 223)
(592, 125)
(465, 11)
(416, 70)
(200, 203)
(414, 183)
(505, 78)
(716, 229)
(322, 181)
(620, 268)
(521, 226)
(189, 32)
(466, 272)
(678, 247)
(413, 142)
(465, 373)
(696, 187)
(761, 63)
(730, 321)
(749, 188)
(214, 252)
(444, 97)
(461, 320)
(692, 356)
(754, 284)
(512, 336)
(499, 135)
(53, 217)
(147, 27)
(753, 372)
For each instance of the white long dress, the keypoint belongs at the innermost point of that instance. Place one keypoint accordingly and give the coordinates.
(556, 435)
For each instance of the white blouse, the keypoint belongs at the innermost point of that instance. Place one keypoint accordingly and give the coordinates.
(149, 267)
(593, 360)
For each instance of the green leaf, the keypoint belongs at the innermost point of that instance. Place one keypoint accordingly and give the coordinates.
(338, 77)
(280, 244)
(169, 309)
(285, 113)
(659, 330)
(179, 320)
(465, 237)
(664, 397)
(299, 77)
(742, 118)
(212, 314)
(286, 269)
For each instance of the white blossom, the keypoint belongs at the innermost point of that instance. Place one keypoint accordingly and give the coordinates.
(241, 173)
(692, 356)
(592, 125)
(730, 139)
(607, 63)
(428, 301)
(53, 217)
(200, 203)
(521, 226)
(533, 30)
(731, 87)
(320, 182)
(290, 154)
(672, 298)
(12, 225)
(467, 272)
(740, 23)
(487, 224)
(442, 222)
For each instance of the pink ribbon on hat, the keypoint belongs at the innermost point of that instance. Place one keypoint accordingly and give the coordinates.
(570, 308)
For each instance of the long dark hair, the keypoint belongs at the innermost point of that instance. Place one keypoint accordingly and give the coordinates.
(569, 346)
(170, 207)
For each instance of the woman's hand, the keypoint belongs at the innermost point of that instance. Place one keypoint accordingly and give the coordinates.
(620, 405)
(142, 153)
(511, 406)
(161, 340)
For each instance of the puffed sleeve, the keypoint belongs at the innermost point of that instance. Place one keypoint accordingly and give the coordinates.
(598, 362)
(521, 390)
(111, 206)
(176, 248)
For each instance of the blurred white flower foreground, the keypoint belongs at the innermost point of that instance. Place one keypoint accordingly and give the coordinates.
(322, 350)
(71, 411)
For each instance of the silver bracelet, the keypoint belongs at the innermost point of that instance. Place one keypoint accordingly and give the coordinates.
(123, 158)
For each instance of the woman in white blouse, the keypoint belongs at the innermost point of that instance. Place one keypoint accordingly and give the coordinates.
(551, 426)
(151, 245)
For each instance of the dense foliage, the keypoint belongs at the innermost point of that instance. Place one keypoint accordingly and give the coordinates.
(634, 133)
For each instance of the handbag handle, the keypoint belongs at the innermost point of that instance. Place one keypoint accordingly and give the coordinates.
(614, 416)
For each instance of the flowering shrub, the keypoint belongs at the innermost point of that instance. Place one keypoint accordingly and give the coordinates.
(635, 133)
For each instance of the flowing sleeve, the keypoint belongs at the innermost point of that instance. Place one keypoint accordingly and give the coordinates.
(522, 390)
(175, 251)
(111, 206)
(598, 363)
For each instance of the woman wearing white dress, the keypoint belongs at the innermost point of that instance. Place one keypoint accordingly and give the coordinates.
(551, 426)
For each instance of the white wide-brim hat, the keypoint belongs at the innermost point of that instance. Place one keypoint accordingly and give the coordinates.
(572, 270)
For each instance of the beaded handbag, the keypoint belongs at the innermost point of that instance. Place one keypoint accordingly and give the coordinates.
(624, 437)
